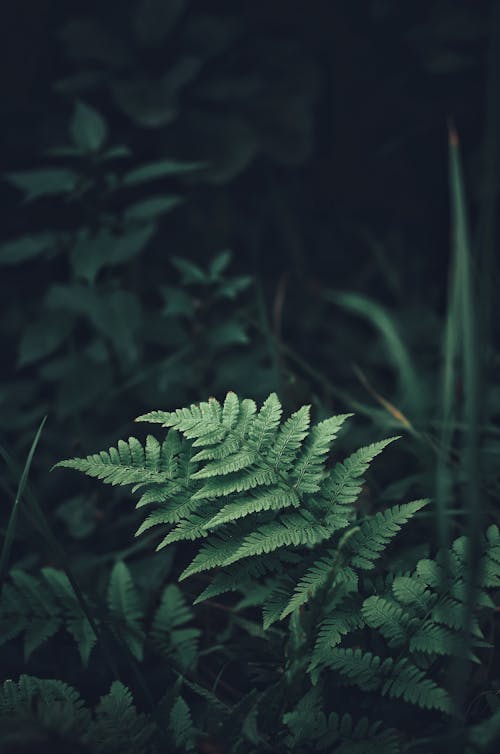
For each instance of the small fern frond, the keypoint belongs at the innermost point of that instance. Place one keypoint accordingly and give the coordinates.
(128, 463)
(309, 470)
(169, 630)
(291, 530)
(388, 618)
(289, 440)
(117, 720)
(274, 499)
(181, 725)
(125, 609)
(376, 533)
(76, 621)
(262, 430)
(325, 571)
(344, 484)
(397, 680)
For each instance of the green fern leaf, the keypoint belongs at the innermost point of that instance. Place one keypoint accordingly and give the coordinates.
(344, 485)
(376, 533)
(389, 618)
(289, 440)
(274, 499)
(308, 472)
(181, 725)
(125, 608)
(128, 463)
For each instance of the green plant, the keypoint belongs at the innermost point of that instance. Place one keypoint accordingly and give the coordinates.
(55, 716)
(277, 522)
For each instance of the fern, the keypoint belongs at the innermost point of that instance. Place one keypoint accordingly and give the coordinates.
(125, 608)
(247, 470)
(394, 679)
(273, 521)
(114, 726)
(171, 631)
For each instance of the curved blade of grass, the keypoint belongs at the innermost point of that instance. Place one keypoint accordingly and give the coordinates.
(382, 321)
(462, 334)
(11, 526)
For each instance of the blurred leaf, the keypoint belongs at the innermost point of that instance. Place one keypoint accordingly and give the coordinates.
(219, 264)
(154, 19)
(42, 337)
(178, 303)
(191, 273)
(44, 182)
(90, 254)
(116, 314)
(160, 169)
(227, 334)
(151, 208)
(25, 247)
(88, 128)
(78, 515)
(116, 153)
(233, 286)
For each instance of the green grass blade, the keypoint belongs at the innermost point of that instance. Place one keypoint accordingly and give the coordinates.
(11, 526)
(464, 314)
(382, 321)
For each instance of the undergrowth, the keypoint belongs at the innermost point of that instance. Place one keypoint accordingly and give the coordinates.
(357, 642)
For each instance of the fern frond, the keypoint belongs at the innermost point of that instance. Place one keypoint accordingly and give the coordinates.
(289, 440)
(308, 472)
(324, 571)
(128, 463)
(275, 603)
(169, 630)
(40, 611)
(181, 725)
(242, 575)
(214, 553)
(439, 640)
(291, 530)
(117, 721)
(396, 680)
(387, 617)
(361, 737)
(330, 634)
(274, 499)
(76, 621)
(264, 427)
(344, 484)
(377, 531)
(238, 461)
(410, 591)
(240, 481)
(126, 609)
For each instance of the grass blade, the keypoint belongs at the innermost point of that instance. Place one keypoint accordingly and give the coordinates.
(463, 335)
(11, 526)
(383, 322)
